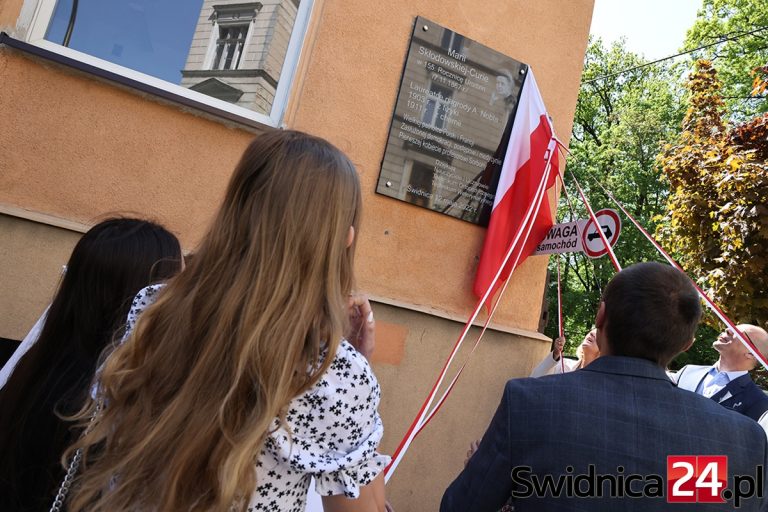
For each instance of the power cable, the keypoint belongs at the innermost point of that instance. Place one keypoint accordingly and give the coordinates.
(731, 38)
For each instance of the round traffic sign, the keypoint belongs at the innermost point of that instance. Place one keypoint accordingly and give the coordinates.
(591, 241)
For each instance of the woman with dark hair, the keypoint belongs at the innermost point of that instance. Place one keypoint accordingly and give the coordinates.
(108, 266)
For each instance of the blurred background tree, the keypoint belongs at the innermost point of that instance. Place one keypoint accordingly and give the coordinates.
(620, 124)
(717, 220)
(742, 26)
(705, 126)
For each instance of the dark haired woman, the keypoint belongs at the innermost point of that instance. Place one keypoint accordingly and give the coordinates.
(108, 266)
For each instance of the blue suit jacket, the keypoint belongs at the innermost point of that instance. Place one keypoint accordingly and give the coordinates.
(621, 415)
(741, 395)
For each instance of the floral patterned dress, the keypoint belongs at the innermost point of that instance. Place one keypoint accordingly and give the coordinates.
(333, 431)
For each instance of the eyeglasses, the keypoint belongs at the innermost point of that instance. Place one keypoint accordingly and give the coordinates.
(733, 334)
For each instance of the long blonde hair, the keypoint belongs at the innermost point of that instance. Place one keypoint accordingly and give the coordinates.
(192, 395)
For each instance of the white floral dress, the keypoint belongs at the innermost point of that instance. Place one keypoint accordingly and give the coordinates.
(335, 429)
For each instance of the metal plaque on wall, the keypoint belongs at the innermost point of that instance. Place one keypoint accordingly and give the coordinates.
(451, 123)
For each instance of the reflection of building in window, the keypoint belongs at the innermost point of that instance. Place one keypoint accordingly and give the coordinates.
(421, 184)
(452, 41)
(436, 107)
(238, 49)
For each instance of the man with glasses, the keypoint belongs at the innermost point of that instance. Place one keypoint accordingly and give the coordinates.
(727, 381)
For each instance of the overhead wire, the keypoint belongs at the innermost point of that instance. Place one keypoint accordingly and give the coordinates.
(646, 64)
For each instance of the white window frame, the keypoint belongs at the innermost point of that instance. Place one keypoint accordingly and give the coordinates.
(452, 42)
(210, 54)
(438, 103)
(236, 56)
(36, 16)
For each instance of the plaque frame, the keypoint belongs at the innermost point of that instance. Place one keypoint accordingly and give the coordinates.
(450, 125)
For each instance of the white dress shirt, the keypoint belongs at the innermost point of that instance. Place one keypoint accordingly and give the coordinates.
(715, 380)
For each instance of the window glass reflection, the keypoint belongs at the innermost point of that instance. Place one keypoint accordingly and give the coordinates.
(148, 36)
(231, 50)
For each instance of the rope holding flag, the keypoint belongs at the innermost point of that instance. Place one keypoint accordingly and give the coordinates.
(707, 300)
(560, 314)
(485, 326)
(611, 254)
(417, 424)
(529, 169)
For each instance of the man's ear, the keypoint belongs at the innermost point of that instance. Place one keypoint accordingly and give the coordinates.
(600, 318)
(688, 345)
(600, 324)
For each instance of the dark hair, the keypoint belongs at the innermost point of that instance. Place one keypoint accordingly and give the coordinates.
(108, 266)
(651, 312)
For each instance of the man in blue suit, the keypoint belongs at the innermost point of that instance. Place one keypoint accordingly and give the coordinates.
(727, 381)
(570, 442)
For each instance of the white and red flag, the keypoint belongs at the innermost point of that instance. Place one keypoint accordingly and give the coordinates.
(520, 219)
(529, 169)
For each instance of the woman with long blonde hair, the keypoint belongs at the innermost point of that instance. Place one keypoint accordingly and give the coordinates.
(235, 386)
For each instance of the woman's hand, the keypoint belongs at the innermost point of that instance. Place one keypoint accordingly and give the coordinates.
(473, 446)
(557, 350)
(362, 333)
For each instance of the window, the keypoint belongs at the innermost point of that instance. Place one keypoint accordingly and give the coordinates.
(229, 46)
(421, 183)
(232, 29)
(237, 56)
(436, 108)
(452, 41)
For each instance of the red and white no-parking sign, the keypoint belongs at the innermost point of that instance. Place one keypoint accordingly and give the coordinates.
(591, 242)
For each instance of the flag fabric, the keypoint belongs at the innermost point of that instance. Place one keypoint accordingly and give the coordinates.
(531, 144)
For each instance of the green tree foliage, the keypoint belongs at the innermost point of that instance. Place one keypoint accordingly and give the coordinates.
(619, 127)
(717, 219)
(716, 177)
(739, 53)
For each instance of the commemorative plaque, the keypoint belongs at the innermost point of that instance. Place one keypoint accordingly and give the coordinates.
(451, 124)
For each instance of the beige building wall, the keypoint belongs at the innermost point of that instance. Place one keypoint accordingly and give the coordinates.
(347, 93)
(417, 257)
(437, 455)
(31, 258)
(80, 148)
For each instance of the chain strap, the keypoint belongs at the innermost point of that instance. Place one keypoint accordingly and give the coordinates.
(74, 465)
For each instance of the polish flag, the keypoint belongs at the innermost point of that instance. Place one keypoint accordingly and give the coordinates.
(525, 176)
